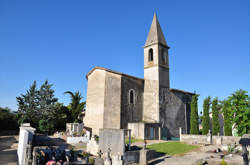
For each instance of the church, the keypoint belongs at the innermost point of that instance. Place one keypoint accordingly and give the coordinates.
(147, 106)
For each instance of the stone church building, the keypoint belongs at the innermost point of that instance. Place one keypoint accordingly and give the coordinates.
(148, 106)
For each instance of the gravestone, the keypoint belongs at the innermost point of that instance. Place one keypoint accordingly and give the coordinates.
(112, 139)
(143, 156)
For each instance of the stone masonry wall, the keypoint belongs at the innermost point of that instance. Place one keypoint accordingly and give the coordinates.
(131, 112)
(112, 101)
(204, 139)
(172, 111)
(95, 101)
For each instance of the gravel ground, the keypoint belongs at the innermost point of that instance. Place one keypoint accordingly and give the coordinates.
(8, 150)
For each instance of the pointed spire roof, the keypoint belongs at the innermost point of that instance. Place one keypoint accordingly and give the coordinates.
(155, 34)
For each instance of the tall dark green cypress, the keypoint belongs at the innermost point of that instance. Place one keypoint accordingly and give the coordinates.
(227, 118)
(205, 117)
(215, 117)
(194, 119)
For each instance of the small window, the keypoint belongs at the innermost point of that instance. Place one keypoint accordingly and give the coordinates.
(150, 55)
(131, 96)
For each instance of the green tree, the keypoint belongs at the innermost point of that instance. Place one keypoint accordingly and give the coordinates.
(226, 109)
(36, 105)
(28, 104)
(8, 119)
(194, 119)
(240, 104)
(205, 117)
(215, 117)
(76, 107)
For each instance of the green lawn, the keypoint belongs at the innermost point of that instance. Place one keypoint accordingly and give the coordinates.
(172, 148)
(133, 140)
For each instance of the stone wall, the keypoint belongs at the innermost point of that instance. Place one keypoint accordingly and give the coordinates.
(112, 101)
(151, 101)
(204, 139)
(131, 112)
(95, 101)
(174, 113)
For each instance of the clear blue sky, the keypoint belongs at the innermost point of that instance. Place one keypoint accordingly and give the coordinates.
(63, 40)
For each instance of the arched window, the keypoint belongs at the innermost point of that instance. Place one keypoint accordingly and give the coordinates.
(150, 55)
(131, 96)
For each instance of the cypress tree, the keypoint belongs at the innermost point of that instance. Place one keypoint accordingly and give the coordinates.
(194, 119)
(205, 117)
(227, 118)
(215, 117)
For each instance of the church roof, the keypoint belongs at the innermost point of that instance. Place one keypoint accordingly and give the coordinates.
(155, 34)
(181, 91)
(112, 71)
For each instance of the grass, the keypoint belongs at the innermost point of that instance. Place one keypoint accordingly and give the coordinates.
(172, 148)
(133, 140)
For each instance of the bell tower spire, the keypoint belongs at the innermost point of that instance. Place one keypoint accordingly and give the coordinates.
(155, 35)
(156, 65)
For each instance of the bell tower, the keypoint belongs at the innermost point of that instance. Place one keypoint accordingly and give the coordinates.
(156, 65)
(156, 72)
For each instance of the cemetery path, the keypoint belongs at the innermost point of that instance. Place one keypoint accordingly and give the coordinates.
(8, 150)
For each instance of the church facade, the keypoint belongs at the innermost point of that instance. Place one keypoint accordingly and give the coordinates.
(149, 107)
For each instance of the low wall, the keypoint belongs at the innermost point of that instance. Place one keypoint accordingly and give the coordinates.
(137, 130)
(74, 140)
(204, 139)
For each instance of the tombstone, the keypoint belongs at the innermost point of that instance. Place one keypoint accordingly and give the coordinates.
(143, 157)
(25, 136)
(117, 159)
(107, 158)
(209, 137)
(245, 141)
(92, 146)
(112, 139)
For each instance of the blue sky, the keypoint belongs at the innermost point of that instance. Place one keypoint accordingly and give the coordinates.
(63, 40)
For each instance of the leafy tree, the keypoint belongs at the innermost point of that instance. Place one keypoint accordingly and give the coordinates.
(240, 104)
(226, 109)
(194, 119)
(205, 117)
(28, 103)
(38, 105)
(8, 119)
(76, 107)
(215, 117)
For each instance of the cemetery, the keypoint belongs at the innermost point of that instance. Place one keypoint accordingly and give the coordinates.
(111, 147)
(124, 119)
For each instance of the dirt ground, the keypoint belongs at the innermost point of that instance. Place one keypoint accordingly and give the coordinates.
(8, 150)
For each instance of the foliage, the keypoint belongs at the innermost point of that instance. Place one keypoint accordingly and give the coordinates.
(240, 111)
(46, 126)
(76, 107)
(194, 119)
(41, 109)
(226, 109)
(205, 117)
(172, 148)
(215, 117)
(28, 106)
(8, 119)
